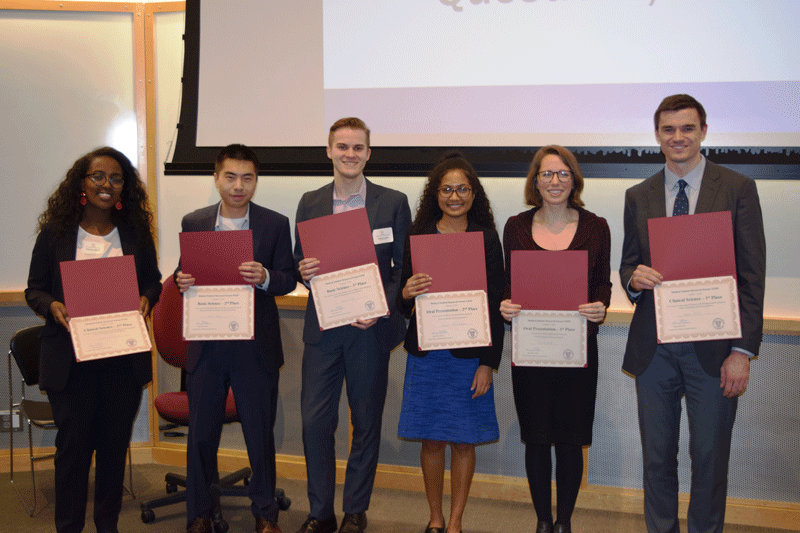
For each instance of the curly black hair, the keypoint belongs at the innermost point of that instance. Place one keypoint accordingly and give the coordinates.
(64, 210)
(428, 210)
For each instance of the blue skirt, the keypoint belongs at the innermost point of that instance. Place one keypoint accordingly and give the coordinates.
(438, 405)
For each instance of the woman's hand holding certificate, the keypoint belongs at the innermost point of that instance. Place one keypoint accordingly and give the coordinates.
(109, 326)
(450, 288)
(547, 327)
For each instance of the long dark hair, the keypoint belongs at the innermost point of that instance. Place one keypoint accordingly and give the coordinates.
(428, 211)
(64, 210)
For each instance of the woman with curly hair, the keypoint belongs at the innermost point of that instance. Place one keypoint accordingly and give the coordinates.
(448, 396)
(555, 406)
(99, 210)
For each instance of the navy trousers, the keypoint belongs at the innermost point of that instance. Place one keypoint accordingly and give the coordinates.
(676, 372)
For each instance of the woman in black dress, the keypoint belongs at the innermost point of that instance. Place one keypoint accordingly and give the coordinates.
(555, 406)
(99, 210)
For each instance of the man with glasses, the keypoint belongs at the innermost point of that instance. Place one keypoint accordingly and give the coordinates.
(710, 374)
(357, 353)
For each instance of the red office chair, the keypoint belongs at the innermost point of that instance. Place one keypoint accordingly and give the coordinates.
(174, 408)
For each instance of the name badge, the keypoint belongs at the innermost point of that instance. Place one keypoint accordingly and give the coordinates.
(382, 235)
(93, 247)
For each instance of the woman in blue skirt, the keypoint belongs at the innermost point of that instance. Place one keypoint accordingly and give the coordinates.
(448, 396)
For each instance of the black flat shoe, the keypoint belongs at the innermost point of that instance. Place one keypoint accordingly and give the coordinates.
(429, 529)
(561, 528)
(544, 527)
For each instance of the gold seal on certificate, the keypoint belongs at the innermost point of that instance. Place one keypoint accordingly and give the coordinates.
(457, 319)
(343, 296)
(548, 338)
(699, 309)
(218, 312)
(109, 335)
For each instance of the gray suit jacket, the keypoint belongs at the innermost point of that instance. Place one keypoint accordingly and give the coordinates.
(386, 208)
(721, 190)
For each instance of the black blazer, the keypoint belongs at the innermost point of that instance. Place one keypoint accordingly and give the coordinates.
(495, 283)
(721, 189)
(386, 208)
(44, 286)
(272, 247)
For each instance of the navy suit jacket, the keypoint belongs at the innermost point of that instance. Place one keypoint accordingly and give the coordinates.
(386, 208)
(44, 286)
(721, 189)
(272, 247)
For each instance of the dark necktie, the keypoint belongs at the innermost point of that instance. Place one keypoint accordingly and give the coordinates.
(681, 206)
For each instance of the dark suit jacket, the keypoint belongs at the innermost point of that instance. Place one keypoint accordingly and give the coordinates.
(44, 286)
(721, 190)
(272, 247)
(386, 208)
(495, 284)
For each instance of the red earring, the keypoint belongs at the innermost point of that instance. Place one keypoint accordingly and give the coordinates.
(83, 198)
(118, 205)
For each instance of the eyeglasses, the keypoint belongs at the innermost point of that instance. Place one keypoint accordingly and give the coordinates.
(99, 178)
(547, 175)
(447, 192)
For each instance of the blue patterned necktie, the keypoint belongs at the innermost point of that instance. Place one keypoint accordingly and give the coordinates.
(681, 206)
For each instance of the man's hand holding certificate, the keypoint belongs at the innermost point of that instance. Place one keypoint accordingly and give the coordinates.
(454, 312)
(216, 304)
(697, 299)
(341, 268)
(549, 330)
(109, 326)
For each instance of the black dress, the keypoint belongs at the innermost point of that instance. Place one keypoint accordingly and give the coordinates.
(556, 405)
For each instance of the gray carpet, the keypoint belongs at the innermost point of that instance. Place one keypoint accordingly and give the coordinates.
(391, 511)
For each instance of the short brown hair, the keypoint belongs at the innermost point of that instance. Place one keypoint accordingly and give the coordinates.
(532, 195)
(349, 122)
(677, 102)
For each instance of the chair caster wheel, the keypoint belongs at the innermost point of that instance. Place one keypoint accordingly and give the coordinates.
(221, 527)
(148, 516)
(283, 502)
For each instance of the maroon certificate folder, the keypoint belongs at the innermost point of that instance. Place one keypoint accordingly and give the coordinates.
(100, 286)
(213, 257)
(692, 246)
(545, 280)
(339, 241)
(455, 261)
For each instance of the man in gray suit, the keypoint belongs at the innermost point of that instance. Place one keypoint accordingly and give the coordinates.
(711, 374)
(357, 353)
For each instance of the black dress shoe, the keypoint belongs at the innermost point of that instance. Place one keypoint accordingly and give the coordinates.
(312, 525)
(544, 527)
(561, 528)
(200, 525)
(354, 523)
(429, 529)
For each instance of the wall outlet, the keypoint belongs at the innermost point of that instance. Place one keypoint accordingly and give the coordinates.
(8, 421)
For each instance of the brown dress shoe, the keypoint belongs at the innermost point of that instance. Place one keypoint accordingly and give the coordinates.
(200, 525)
(312, 525)
(354, 523)
(265, 526)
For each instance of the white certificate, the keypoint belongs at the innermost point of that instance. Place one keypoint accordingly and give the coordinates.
(548, 338)
(342, 297)
(699, 309)
(218, 313)
(458, 319)
(101, 336)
